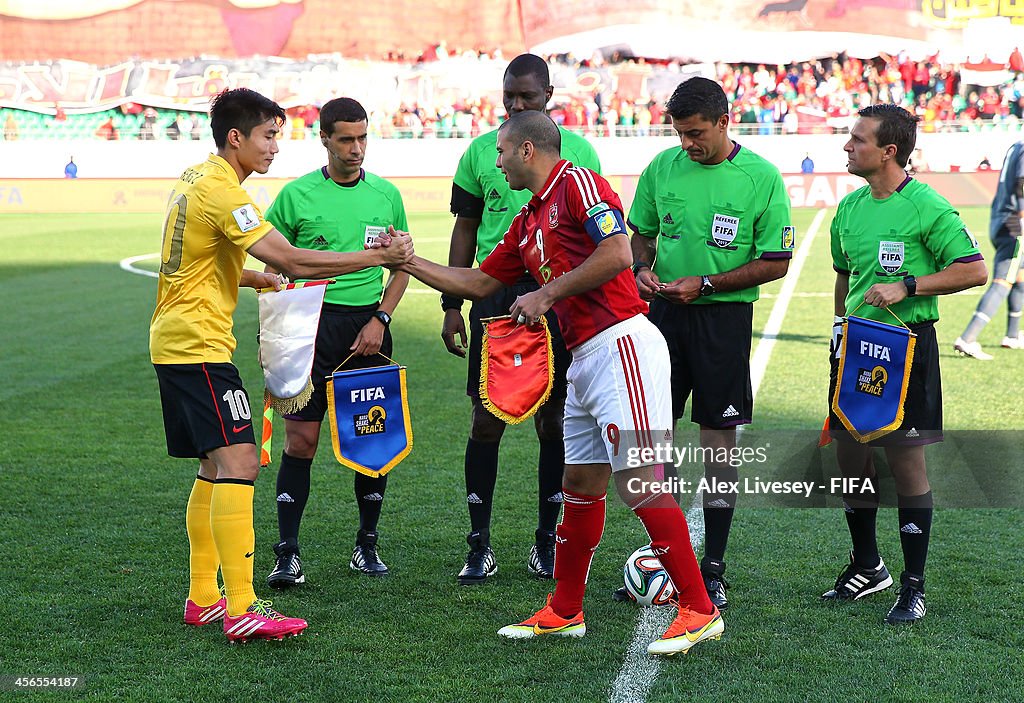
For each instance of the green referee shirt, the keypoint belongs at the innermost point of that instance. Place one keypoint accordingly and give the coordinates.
(913, 232)
(478, 175)
(712, 219)
(314, 212)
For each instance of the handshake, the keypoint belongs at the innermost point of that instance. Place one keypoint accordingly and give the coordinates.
(395, 248)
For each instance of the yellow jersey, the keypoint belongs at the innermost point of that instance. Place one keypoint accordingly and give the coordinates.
(211, 222)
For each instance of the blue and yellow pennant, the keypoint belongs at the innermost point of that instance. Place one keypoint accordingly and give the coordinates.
(371, 429)
(874, 373)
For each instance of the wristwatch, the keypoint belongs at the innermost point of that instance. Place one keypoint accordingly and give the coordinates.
(384, 318)
(911, 283)
(706, 287)
(640, 265)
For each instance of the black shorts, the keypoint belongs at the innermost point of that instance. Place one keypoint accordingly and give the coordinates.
(709, 348)
(495, 306)
(339, 327)
(922, 409)
(205, 407)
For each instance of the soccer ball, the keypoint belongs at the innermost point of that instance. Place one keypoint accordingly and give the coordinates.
(646, 580)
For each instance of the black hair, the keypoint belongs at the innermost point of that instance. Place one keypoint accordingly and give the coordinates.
(698, 96)
(242, 109)
(895, 126)
(535, 127)
(340, 110)
(530, 65)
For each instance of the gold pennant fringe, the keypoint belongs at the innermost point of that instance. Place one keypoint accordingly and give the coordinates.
(485, 398)
(290, 406)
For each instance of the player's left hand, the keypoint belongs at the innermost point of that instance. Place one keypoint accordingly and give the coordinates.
(261, 280)
(882, 295)
(682, 290)
(369, 339)
(529, 308)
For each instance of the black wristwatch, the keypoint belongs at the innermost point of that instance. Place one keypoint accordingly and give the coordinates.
(706, 287)
(384, 318)
(911, 283)
(640, 265)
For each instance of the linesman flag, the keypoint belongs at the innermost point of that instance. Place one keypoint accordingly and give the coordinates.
(517, 370)
(874, 373)
(371, 431)
(289, 319)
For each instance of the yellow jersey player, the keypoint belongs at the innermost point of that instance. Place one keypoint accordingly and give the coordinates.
(211, 224)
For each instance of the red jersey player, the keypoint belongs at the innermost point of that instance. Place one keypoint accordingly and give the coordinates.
(572, 239)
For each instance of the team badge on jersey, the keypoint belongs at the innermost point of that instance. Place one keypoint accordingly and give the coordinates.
(970, 238)
(890, 256)
(724, 229)
(372, 233)
(246, 217)
(553, 216)
(788, 237)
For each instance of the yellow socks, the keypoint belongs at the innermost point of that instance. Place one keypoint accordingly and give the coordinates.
(203, 560)
(231, 524)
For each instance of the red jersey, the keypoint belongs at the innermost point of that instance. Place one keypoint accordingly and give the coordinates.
(556, 231)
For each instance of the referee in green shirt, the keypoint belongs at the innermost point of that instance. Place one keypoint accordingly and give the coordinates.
(484, 205)
(712, 223)
(896, 244)
(338, 207)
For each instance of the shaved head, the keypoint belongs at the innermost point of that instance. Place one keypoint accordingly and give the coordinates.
(534, 127)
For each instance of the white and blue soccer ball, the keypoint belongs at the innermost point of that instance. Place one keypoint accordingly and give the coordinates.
(646, 580)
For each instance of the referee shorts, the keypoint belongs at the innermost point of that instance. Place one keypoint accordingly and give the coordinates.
(709, 347)
(339, 327)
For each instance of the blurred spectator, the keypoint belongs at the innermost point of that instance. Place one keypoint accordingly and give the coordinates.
(807, 166)
(985, 164)
(148, 130)
(71, 169)
(10, 127)
(58, 113)
(108, 131)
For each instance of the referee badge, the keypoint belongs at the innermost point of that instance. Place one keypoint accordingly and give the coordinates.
(891, 256)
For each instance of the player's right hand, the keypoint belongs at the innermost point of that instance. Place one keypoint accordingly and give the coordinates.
(453, 333)
(396, 248)
(648, 284)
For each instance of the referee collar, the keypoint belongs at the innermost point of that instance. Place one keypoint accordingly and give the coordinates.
(353, 184)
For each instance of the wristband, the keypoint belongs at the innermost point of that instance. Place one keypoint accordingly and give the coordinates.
(451, 302)
(640, 265)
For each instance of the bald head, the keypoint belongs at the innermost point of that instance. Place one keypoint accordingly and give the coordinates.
(534, 127)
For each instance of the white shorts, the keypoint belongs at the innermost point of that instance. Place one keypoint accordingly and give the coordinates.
(619, 400)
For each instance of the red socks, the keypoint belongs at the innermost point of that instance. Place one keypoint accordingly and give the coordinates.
(576, 538)
(670, 538)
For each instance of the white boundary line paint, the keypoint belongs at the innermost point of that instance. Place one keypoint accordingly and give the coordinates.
(127, 265)
(639, 670)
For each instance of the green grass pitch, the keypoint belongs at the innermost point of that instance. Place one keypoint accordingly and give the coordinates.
(96, 554)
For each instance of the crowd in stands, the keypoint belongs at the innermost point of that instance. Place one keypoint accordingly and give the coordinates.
(813, 96)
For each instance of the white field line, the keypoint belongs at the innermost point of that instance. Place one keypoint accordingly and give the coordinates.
(639, 670)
